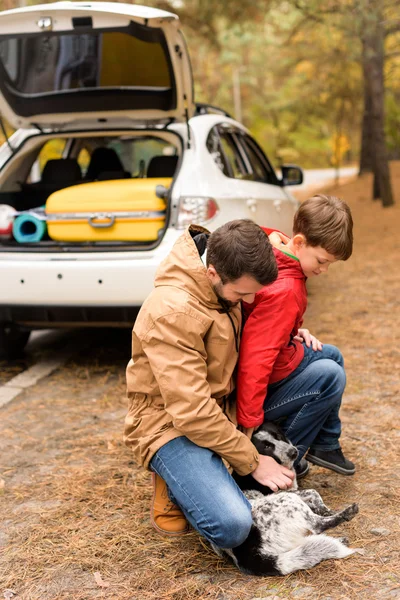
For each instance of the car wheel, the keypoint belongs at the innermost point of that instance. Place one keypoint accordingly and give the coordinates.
(12, 341)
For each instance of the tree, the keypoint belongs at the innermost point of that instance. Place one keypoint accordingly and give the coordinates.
(390, 25)
(363, 22)
(373, 66)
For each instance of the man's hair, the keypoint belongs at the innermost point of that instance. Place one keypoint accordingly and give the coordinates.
(326, 221)
(240, 248)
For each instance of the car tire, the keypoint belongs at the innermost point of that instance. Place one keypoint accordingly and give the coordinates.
(13, 340)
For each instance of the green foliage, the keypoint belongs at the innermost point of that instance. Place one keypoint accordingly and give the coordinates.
(298, 67)
(299, 88)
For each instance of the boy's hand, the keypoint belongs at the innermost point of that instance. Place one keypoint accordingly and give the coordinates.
(303, 335)
(272, 474)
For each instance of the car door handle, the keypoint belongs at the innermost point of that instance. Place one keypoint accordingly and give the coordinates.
(252, 204)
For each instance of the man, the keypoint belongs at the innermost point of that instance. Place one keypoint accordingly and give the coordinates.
(181, 422)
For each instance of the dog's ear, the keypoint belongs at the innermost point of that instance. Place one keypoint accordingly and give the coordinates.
(280, 420)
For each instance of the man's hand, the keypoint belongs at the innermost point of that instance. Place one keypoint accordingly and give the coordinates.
(272, 474)
(303, 335)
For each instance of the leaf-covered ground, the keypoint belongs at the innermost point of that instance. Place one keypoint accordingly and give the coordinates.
(74, 509)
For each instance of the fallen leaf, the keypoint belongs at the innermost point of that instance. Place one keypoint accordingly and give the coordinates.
(100, 581)
(380, 531)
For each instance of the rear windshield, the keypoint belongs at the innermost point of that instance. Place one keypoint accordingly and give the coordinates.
(130, 68)
(50, 63)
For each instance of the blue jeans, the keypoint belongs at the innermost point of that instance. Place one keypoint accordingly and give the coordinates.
(200, 484)
(309, 399)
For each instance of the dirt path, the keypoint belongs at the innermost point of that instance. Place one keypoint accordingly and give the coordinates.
(74, 516)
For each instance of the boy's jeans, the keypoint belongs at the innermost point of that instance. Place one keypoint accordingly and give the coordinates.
(201, 485)
(309, 400)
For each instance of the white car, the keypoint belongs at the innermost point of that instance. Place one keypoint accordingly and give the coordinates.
(99, 94)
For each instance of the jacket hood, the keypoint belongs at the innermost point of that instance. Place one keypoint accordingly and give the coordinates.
(288, 265)
(184, 269)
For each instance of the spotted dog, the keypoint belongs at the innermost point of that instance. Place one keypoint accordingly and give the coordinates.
(287, 531)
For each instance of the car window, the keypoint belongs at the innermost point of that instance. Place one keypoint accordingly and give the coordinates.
(133, 153)
(233, 157)
(260, 169)
(46, 64)
(136, 153)
(223, 148)
(214, 147)
(83, 159)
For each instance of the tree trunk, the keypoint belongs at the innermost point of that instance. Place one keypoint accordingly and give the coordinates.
(373, 58)
(376, 194)
(366, 155)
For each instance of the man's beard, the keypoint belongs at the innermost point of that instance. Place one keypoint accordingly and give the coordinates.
(224, 302)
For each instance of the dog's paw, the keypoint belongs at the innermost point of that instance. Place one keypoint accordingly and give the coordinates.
(350, 512)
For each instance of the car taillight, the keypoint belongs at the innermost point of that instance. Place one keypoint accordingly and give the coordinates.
(196, 209)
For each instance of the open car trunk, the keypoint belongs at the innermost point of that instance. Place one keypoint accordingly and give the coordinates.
(74, 62)
(99, 191)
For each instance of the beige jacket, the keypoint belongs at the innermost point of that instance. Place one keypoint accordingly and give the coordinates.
(183, 358)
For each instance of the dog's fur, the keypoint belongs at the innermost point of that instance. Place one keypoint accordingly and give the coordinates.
(287, 531)
(269, 440)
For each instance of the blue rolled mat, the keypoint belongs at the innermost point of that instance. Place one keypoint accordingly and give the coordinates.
(28, 228)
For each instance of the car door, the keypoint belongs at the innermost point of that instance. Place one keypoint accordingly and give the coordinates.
(249, 187)
(269, 202)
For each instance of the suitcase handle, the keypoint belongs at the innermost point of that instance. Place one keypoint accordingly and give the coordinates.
(92, 223)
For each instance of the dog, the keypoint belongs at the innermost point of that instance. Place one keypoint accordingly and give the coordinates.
(287, 531)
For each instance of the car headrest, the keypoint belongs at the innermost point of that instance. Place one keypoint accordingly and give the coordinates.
(103, 159)
(162, 166)
(107, 175)
(61, 170)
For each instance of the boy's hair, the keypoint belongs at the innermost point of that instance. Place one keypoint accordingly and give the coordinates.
(240, 248)
(326, 221)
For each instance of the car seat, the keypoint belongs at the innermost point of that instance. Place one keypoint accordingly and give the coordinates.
(162, 166)
(58, 173)
(105, 164)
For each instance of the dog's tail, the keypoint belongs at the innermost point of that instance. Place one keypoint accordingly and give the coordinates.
(312, 551)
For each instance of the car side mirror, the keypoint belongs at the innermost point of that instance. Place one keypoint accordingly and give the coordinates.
(291, 175)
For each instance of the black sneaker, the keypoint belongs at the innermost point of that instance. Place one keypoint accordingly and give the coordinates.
(302, 468)
(332, 459)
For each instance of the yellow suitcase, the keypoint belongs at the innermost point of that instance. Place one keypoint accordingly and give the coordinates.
(117, 210)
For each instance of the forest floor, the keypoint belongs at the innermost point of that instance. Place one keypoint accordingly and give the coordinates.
(74, 508)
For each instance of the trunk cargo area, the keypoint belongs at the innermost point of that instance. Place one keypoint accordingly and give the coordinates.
(110, 212)
(125, 210)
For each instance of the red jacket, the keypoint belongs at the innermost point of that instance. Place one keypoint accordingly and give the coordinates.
(268, 352)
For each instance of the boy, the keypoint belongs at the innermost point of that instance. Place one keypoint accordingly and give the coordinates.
(284, 372)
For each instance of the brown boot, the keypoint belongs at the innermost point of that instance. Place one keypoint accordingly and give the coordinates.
(166, 517)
